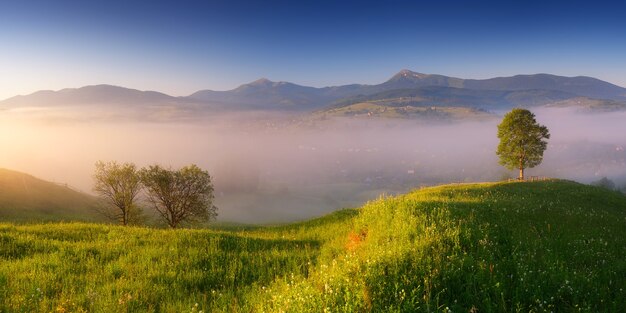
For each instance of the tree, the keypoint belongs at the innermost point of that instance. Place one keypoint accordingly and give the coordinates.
(118, 185)
(184, 195)
(522, 141)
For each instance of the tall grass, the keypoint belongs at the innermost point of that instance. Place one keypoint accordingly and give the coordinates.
(513, 247)
(504, 247)
(100, 268)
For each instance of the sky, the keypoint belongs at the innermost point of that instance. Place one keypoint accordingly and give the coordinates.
(179, 47)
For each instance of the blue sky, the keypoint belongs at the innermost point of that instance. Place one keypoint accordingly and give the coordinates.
(179, 47)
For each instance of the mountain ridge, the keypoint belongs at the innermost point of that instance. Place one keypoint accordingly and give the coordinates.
(265, 94)
(92, 94)
(583, 86)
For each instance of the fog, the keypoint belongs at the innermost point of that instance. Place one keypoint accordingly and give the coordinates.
(273, 167)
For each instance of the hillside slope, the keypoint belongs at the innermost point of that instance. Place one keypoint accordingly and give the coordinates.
(458, 97)
(492, 247)
(498, 247)
(26, 198)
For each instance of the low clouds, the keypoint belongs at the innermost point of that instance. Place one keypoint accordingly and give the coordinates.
(276, 167)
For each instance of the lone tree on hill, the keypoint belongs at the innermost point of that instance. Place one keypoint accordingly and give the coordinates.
(118, 185)
(522, 141)
(184, 195)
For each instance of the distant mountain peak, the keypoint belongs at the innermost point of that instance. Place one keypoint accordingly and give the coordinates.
(408, 74)
(262, 81)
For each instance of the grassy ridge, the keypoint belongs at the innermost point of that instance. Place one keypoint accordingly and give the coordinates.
(24, 198)
(543, 246)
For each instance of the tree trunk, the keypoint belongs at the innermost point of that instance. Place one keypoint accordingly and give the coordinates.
(521, 173)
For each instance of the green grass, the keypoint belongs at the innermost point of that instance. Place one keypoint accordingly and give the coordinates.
(497, 247)
(24, 198)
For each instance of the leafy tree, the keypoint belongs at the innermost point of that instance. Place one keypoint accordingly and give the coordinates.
(522, 141)
(184, 195)
(118, 185)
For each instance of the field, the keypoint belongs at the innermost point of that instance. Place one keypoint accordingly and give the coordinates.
(492, 247)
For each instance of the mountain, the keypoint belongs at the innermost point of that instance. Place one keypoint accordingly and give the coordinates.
(434, 103)
(531, 90)
(263, 94)
(266, 94)
(106, 102)
(580, 85)
(436, 96)
(470, 103)
(409, 79)
(91, 95)
(26, 198)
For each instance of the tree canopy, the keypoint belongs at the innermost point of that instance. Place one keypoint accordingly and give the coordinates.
(118, 185)
(522, 140)
(184, 195)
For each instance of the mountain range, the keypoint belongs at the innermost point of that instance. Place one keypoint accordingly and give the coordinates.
(406, 87)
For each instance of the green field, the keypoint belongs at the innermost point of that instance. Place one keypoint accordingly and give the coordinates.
(495, 247)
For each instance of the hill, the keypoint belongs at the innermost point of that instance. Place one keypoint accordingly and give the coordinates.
(264, 94)
(579, 85)
(461, 103)
(541, 246)
(106, 102)
(497, 93)
(26, 198)
(392, 109)
(90, 95)
(432, 96)
(583, 104)
(520, 89)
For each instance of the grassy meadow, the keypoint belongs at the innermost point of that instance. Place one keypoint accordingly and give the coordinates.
(552, 246)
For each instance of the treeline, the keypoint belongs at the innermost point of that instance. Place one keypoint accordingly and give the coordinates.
(178, 197)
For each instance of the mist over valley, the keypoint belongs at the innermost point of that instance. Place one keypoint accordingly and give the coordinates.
(299, 152)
